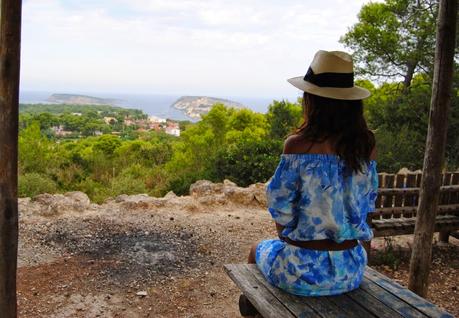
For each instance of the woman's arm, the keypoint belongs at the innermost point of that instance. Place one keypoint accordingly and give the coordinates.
(279, 229)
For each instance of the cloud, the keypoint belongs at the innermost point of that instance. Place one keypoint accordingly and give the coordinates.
(177, 46)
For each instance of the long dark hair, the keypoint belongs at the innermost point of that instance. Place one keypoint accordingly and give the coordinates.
(341, 122)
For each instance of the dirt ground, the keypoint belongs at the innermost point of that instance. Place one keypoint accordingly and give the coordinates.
(167, 261)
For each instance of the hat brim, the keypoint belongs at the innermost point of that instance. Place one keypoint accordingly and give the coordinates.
(351, 93)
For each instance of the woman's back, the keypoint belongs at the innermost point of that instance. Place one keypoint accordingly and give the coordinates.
(315, 197)
(323, 188)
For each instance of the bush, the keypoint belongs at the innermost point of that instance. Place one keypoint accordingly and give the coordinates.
(248, 161)
(180, 183)
(31, 184)
(127, 183)
(96, 191)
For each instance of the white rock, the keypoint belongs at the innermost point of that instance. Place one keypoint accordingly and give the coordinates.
(142, 293)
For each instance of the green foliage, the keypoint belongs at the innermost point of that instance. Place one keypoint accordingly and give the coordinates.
(80, 120)
(31, 184)
(36, 153)
(225, 141)
(107, 144)
(91, 111)
(248, 161)
(228, 143)
(96, 191)
(283, 117)
(394, 38)
(400, 122)
(390, 255)
(202, 145)
(130, 181)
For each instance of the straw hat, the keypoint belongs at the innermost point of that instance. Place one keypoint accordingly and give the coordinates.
(331, 75)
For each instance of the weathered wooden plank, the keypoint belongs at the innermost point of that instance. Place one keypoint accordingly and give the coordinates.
(372, 304)
(326, 308)
(390, 227)
(351, 307)
(410, 200)
(400, 306)
(454, 181)
(377, 296)
(399, 197)
(406, 295)
(265, 302)
(330, 306)
(378, 202)
(415, 190)
(388, 199)
(297, 305)
(442, 209)
(446, 181)
(443, 236)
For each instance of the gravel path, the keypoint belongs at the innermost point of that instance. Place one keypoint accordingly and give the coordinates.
(140, 258)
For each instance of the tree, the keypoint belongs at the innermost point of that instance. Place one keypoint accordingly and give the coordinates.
(107, 144)
(248, 161)
(394, 38)
(435, 148)
(217, 119)
(283, 117)
(35, 150)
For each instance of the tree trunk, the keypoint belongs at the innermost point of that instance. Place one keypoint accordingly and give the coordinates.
(10, 36)
(435, 147)
(411, 66)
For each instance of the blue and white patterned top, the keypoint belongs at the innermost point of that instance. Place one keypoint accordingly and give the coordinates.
(315, 197)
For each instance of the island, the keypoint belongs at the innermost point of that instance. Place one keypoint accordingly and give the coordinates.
(80, 100)
(196, 106)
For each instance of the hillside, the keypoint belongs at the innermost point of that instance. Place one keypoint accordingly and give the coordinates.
(56, 109)
(195, 106)
(80, 100)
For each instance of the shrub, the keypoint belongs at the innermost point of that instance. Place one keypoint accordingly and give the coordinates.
(31, 184)
(127, 184)
(96, 191)
(248, 161)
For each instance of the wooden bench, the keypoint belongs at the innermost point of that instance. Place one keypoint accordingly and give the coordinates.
(397, 202)
(378, 296)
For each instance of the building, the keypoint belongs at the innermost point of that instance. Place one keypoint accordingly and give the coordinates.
(59, 131)
(155, 126)
(173, 129)
(154, 119)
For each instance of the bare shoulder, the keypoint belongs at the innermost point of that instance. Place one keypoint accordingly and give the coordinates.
(295, 144)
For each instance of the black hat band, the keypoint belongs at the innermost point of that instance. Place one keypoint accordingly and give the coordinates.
(343, 80)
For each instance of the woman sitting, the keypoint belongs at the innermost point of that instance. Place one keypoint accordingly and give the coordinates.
(323, 188)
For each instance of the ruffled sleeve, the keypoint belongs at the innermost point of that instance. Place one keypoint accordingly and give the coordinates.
(283, 190)
(373, 191)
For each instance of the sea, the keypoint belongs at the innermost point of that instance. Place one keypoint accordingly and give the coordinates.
(151, 104)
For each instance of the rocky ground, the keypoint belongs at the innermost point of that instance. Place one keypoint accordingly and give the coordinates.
(138, 256)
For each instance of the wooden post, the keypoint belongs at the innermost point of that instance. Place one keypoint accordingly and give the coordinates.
(435, 147)
(10, 38)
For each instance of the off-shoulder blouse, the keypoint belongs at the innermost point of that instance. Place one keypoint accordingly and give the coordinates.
(316, 197)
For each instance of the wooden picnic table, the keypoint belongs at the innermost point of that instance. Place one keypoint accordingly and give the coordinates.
(378, 296)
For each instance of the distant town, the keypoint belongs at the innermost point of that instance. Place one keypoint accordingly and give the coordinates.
(140, 125)
(75, 121)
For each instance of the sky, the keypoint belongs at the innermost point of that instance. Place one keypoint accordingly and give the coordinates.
(178, 47)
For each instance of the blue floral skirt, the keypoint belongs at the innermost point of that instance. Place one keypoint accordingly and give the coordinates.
(307, 272)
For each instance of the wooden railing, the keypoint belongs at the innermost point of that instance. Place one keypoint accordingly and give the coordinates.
(397, 202)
